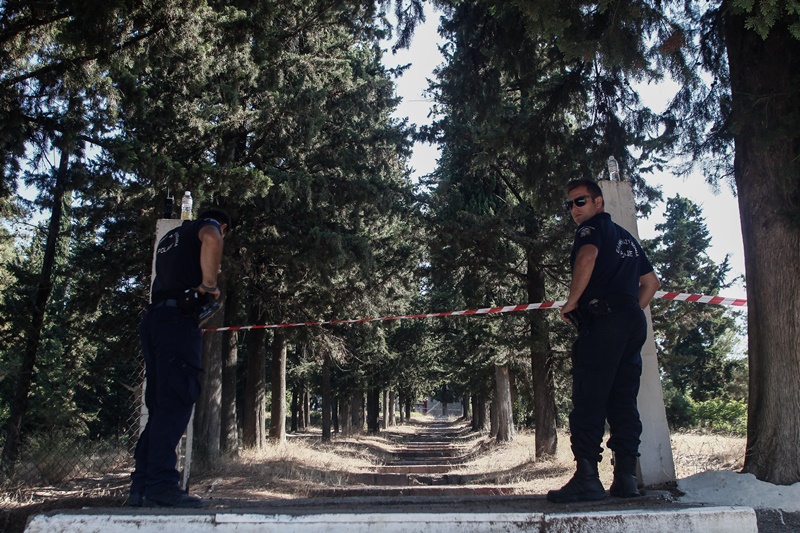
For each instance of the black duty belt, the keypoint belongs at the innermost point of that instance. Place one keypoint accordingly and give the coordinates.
(170, 302)
(621, 300)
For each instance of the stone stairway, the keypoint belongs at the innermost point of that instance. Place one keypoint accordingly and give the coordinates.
(424, 463)
(419, 489)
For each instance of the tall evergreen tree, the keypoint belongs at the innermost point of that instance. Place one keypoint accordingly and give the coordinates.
(57, 100)
(694, 341)
(520, 118)
(751, 52)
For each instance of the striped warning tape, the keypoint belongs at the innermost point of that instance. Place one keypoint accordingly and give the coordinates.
(701, 298)
(678, 296)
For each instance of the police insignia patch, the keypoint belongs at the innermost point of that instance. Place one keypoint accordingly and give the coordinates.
(585, 231)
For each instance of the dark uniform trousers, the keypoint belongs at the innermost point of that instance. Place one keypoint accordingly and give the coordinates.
(606, 369)
(172, 348)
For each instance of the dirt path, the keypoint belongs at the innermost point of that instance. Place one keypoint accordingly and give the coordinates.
(427, 466)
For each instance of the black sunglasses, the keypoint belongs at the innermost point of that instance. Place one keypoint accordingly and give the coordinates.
(580, 201)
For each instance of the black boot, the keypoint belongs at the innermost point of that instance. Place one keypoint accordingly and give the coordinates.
(173, 498)
(625, 484)
(584, 486)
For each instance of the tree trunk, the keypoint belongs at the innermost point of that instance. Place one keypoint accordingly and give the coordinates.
(544, 395)
(326, 398)
(466, 412)
(229, 437)
(390, 408)
(306, 407)
(357, 413)
(476, 413)
(373, 408)
(346, 418)
(493, 414)
(208, 409)
(301, 405)
(335, 412)
(386, 409)
(765, 82)
(402, 400)
(480, 422)
(254, 418)
(503, 404)
(294, 407)
(277, 426)
(19, 401)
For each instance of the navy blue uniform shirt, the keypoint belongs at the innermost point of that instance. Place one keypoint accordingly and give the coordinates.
(620, 259)
(178, 260)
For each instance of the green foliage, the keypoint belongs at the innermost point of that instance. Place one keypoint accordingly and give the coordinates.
(278, 112)
(729, 416)
(722, 415)
(695, 341)
(763, 16)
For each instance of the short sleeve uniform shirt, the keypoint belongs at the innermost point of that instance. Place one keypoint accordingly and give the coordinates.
(178, 259)
(620, 259)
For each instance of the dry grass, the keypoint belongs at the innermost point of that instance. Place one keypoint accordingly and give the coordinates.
(700, 452)
(514, 464)
(304, 463)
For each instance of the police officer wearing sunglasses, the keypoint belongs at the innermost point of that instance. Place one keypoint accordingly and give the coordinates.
(612, 281)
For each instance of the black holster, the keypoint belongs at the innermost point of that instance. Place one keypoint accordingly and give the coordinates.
(198, 307)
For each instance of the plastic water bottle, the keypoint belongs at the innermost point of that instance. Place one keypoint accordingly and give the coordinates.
(613, 169)
(186, 206)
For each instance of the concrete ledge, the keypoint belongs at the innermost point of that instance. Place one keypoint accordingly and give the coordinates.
(697, 520)
(693, 520)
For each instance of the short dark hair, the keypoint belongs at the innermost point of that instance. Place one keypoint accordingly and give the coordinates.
(217, 214)
(591, 186)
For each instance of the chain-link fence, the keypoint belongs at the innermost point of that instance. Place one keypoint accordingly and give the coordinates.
(57, 457)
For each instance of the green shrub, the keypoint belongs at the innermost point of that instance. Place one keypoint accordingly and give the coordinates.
(727, 416)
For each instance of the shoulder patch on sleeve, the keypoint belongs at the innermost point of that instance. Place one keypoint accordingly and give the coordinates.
(585, 232)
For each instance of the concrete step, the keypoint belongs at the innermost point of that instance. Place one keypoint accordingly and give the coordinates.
(424, 491)
(412, 469)
(422, 454)
(409, 479)
(440, 461)
(686, 520)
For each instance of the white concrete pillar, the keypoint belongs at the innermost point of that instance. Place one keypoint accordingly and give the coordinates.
(656, 464)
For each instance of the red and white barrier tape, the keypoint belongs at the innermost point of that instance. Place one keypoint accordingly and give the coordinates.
(679, 296)
(701, 298)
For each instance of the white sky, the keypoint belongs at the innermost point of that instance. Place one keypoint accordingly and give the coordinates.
(721, 210)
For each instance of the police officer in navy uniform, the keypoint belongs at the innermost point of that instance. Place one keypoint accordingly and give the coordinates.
(612, 281)
(187, 264)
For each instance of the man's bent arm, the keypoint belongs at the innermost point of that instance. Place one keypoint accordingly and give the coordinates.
(210, 256)
(648, 285)
(581, 274)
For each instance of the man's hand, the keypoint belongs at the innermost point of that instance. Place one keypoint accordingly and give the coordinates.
(204, 289)
(567, 307)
